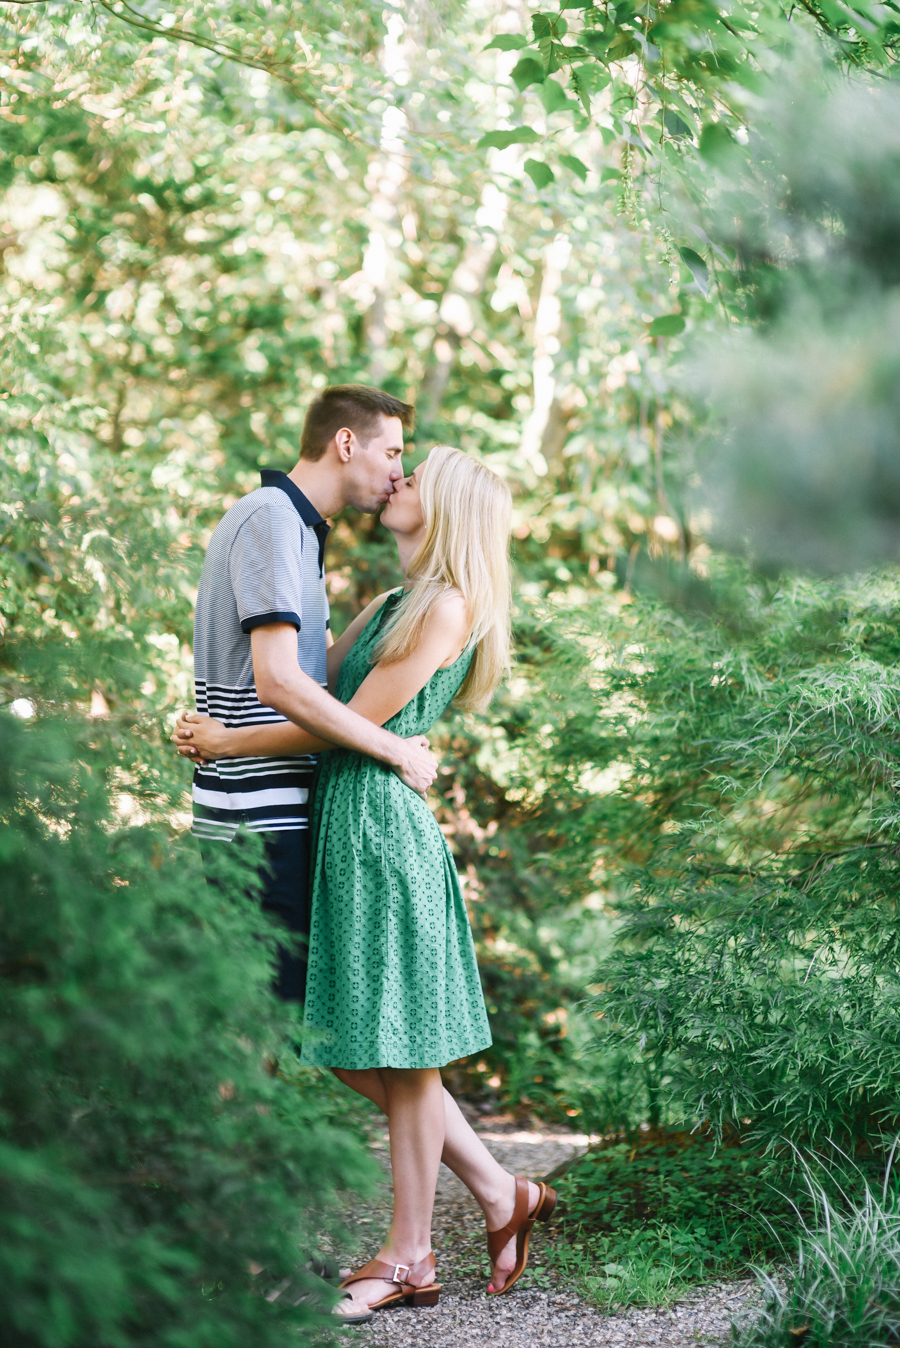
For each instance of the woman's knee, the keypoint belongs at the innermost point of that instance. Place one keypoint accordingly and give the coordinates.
(365, 1081)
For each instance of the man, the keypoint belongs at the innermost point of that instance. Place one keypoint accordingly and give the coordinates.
(260, 640)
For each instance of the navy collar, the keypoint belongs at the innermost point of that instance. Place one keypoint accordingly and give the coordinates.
(273, 477)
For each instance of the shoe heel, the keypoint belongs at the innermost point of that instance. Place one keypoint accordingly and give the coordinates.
(426, 1296)
(546, 1205)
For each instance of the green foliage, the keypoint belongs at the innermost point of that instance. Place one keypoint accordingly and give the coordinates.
(729, 768)
(693, 69)
(648, 1216)
(802, 453)
(724, 1200)
(149, 1153)
(844, 1291)
(637, 1268)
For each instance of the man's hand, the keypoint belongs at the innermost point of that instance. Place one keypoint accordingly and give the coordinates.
(200, 738)
(416, 765)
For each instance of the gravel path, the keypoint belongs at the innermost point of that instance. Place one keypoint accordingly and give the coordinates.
(538, 1312)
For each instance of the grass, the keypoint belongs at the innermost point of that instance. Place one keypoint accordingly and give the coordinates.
(845, 1291)
(641, 1273)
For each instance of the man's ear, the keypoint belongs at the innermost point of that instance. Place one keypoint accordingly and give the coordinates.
(344, 443)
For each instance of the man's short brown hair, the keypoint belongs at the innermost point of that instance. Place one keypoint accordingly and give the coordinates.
(355, 406)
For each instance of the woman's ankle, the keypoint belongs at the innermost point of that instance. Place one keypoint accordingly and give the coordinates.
(406, 1255)
(499, 1201)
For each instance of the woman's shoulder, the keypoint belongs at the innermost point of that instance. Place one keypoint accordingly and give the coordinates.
(451, 608)
(448, 625)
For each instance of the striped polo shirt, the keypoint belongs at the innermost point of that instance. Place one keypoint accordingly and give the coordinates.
(264, 564)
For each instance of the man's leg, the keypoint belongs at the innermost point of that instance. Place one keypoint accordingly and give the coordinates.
(286, 898)
(284, 895)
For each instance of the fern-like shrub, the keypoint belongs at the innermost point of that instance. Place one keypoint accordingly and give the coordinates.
(150, 1153)
(725, 766)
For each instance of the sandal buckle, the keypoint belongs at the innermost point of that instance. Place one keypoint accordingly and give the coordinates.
(396, 1274)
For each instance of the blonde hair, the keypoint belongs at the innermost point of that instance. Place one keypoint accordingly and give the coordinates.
(467, 510)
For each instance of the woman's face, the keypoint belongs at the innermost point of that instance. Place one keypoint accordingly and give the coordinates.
(403, 512)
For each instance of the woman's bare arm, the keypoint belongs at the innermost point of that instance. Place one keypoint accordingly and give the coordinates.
(206, 738)
(388, 688)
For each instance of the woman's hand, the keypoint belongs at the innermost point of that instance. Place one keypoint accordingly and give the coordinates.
(201, 738)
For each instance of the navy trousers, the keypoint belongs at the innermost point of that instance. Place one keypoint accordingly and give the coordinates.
(285, 894)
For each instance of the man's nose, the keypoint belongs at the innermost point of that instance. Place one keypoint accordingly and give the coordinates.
(396, 471)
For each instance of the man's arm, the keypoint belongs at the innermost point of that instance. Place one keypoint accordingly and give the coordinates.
(282, 684)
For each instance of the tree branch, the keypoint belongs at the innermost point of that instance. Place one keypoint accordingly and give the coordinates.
(126, 14)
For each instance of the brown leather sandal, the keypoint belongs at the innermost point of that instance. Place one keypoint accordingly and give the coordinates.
(519, 1225)
(412, 1291)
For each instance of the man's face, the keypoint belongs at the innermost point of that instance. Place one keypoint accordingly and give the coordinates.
(375, 467)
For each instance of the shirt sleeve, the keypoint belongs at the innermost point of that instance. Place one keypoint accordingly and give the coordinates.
(266, 568)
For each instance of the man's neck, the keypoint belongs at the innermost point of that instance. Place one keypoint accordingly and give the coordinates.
(320, 484)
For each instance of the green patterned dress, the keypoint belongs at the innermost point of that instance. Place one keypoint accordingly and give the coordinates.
(393, 980)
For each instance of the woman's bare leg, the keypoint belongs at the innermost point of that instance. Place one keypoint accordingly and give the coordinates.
(415, 1110)
(492, 1187)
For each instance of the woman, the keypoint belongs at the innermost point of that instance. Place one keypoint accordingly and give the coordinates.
(393, 992)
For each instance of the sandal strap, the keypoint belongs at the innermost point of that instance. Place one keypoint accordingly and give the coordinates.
(497, 1240)
(405, 1275)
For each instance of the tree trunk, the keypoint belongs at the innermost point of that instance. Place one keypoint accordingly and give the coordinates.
(456, 318)
(457, 313)
(385, 181)
(545, 429)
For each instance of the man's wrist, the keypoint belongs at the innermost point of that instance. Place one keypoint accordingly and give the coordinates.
(392, 752)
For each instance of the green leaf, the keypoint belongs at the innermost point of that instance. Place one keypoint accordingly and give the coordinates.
(594, 76)
(570, 162)
(611, 175)
(583, 93)
(540, 173)
(667, 325)
(550, 52)
(528, 71)
(587, 79)
(676, 126)
(507, 42)
(498, 140)
(598, 41)
(549, 25)
(698, 268)
(554, 97)
(717, 144)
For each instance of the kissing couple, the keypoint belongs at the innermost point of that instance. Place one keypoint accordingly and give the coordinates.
(319, 745)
